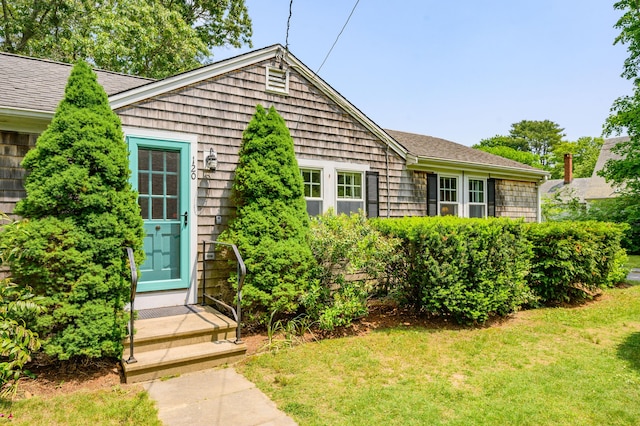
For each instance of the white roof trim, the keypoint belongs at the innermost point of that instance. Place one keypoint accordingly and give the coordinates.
(179, 81)
(129, 97)
(26, 113)
(427, 163)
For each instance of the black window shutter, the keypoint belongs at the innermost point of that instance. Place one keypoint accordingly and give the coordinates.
(491, 197)
(373, 194)
(432, 194)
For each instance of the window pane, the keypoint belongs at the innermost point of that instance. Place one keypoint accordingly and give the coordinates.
(311, 182)
(448, 209)
(350, 185)
(476, 211)
(172, 161)
(172, 208)
(476, 191)
(157, 184)
(172, 185)
(144, 207)
(349, 207)
(143, 183)
(157, 161)
(314, 207)
(157, 208)
(143, 159)
(448, 189)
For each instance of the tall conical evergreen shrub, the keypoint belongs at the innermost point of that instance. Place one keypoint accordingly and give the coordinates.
(271, 226)
(80, 213)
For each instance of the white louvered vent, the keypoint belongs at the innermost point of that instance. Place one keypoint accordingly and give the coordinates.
(277, 80)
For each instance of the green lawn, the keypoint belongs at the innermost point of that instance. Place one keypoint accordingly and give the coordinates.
(105, 407)
(560, 366)
(633, 261)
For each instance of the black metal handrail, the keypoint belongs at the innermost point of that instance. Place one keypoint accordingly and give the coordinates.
(132, 298)
(241, 273)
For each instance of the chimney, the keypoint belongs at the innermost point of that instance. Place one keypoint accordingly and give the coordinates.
(568, 169)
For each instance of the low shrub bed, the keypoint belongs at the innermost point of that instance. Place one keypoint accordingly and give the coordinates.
(351, 261)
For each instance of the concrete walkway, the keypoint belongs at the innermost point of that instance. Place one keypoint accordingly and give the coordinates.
(634, 275)
(214, 397)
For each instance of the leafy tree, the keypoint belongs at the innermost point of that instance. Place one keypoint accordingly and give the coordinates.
(536, 137)
(540, 136)
(507, 141)
(585, 156)
(513, 154)
(625, 112)
(143, 37)
(79, 213)
(271, 226)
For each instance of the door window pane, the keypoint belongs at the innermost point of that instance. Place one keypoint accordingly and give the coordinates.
(143, 159)
(157, 208)
(172, 161)
(144, 207)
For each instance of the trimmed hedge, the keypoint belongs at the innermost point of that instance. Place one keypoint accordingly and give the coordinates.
(572, 260)
(469, 269)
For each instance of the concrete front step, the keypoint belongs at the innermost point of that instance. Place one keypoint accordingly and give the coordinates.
(206, 325)
(176, 344)
(167, 362)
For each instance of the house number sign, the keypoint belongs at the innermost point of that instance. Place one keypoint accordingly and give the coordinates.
(193, 168)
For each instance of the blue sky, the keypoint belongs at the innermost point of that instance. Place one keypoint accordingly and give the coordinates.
(463, 70)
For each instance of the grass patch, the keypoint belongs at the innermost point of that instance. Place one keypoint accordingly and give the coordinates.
(633, 261)
(114, 407)
(557, 366)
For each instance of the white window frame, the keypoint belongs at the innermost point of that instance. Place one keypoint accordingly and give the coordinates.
(311, 198)
(459, 201)
(312, 170)
(468, 202)
(330, 170)
(351, 199)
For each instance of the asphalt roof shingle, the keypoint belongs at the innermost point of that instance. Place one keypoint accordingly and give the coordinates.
(38, 84)
(431, 147)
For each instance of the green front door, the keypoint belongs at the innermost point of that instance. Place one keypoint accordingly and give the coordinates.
(160, 172)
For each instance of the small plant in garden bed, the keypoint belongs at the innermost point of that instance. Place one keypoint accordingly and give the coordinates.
(352, 260)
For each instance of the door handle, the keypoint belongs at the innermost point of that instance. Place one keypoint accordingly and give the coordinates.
(186, 218)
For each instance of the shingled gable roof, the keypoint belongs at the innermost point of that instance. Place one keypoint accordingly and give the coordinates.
(38, 84)
(599, 188)
(31, 89)
(431, 151)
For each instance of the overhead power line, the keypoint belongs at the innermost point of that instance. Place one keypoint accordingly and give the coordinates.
(338, 37)
(286, 40)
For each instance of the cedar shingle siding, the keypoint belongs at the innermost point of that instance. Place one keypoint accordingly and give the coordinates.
(13, 147)
(517, 199)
